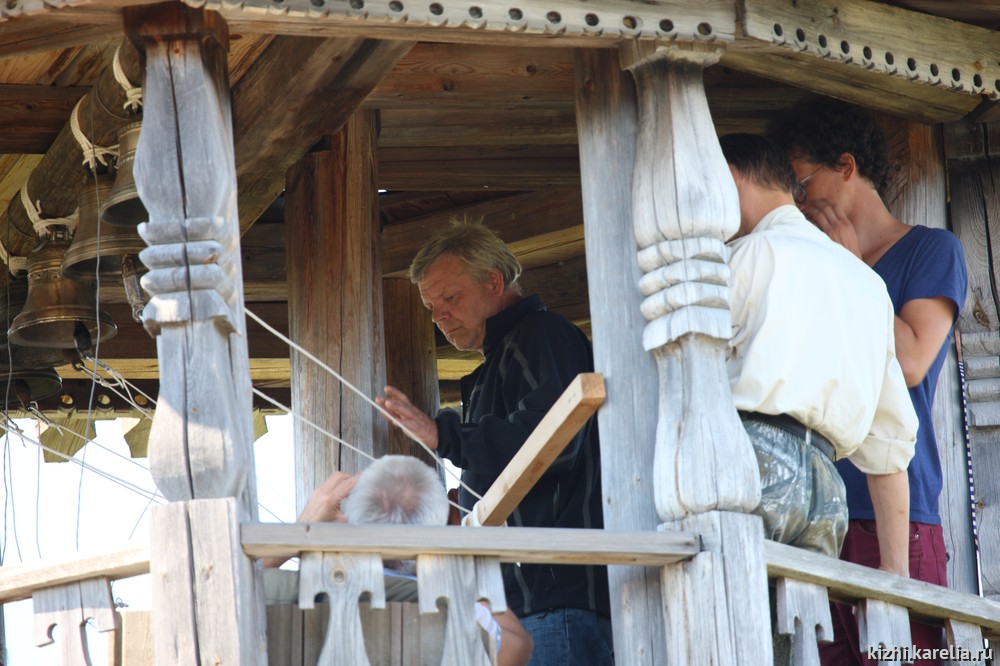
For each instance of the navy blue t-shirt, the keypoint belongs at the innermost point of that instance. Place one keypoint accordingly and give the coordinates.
(925, 263)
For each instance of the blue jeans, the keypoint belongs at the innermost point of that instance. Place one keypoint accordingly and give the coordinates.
(569, 637)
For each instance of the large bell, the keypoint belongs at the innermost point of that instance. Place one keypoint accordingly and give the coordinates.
(113, 244)
(12, 301)
(27, 386)
(123, 206)
(60, 312)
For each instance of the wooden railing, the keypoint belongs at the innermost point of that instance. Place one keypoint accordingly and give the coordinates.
(461, 565)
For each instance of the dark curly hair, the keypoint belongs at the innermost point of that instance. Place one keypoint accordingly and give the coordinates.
(821, 129)
(759, 160)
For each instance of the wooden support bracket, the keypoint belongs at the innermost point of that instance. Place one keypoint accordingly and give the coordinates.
(966, 639)
(69, 607)
(882, 624)
(577, 404)
(804, 612)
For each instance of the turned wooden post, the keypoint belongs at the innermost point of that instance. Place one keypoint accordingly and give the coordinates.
(335, 302)
(206, 602)
(705, 477)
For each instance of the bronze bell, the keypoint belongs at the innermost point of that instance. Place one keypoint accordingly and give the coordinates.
(60, 312)
(12, 301)
(26, 386)
(123, 206)
(114, 243)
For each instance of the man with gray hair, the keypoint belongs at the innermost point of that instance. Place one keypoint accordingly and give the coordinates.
(467, 278)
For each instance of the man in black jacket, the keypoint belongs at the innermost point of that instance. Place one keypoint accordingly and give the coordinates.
(467, 278)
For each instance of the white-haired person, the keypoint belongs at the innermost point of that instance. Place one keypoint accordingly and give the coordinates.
(402, 490)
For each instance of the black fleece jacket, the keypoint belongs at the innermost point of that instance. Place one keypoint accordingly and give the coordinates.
(531, 356)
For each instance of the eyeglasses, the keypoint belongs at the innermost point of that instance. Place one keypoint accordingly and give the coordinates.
(800, 190)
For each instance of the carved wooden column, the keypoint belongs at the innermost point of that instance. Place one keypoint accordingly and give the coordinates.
(705, 477)
(205, 601)
(335, 301)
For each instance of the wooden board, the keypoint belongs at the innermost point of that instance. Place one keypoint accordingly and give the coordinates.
(523, 544)
(19, 581)
(547, 441)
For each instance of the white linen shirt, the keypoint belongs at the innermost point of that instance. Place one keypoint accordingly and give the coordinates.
(813, 339)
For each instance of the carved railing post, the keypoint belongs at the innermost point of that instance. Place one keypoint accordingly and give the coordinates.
(207, 605)
(68, 607)
(705, 477)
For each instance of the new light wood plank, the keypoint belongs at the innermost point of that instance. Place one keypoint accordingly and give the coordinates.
(564, 546)
(560, 424)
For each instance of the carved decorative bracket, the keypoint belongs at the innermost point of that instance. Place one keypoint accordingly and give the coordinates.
(804, 613)
(69, 607)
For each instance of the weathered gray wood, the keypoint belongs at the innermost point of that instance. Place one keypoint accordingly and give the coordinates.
(917, 195)
(708, 618)
(343, 579)
(882, 624)
(20, 581)
(451, 581)
(606, 121)
(527, 544)
(850, 582)
(335, 302)
(203, 606)
(965, 636)
(68, 607)
(410, 360)
(804, 612)
(975, 210)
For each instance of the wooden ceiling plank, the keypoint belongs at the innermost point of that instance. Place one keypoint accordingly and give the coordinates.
(34, 115)
(459, 76)
(433, 127)
(506, 168)
(516, 219)
(40, 34)
(280, 112)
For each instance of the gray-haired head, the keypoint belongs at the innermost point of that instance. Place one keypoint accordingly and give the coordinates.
(480, 249)
(398, 490)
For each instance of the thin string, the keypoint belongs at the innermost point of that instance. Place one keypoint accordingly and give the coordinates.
(120, 378)
(34, 411)
(126, 396)
(364, 454)
(392, 419)
(10, 426)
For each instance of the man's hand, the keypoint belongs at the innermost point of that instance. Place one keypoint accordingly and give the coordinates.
(832, 221)
(324, 505)
(416, 421)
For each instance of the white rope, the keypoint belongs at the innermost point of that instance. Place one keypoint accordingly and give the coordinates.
(133, 93)
(92, 153)
(392, 419)
(34, 213)
(13, 263)
(370, 457)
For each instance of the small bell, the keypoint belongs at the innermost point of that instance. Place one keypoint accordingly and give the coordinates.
(111, 246)
(123, 206)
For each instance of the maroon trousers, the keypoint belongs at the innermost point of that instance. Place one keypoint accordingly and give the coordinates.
(928, 562)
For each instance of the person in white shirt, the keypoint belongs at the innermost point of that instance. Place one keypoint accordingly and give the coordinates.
(812, 366)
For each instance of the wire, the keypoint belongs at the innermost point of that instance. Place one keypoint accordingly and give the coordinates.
(392, 419)
(52, 424)
(364, 454)
(11, 426)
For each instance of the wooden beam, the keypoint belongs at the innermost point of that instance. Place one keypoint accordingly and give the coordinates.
(530, 223)
(34, 115)
(560, 424)
(510, 168)
(520, 544)
(281, 111)
(850, 582)
(459, 76)
(864, 52)
(20, 580)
